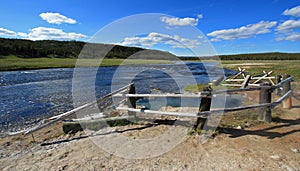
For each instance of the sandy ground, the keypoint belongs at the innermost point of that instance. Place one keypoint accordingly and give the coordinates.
(274, 146)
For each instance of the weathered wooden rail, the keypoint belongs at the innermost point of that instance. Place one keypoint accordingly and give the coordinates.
(265, 103)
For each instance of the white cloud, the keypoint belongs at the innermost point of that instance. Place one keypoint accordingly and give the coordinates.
(6, 32)
(56, 18)
(288, 25)
(200, 16)
(247, 31)
(43, 33)
(174, 21)
(293, 11)
(200, 37)
(290, 37)
(21, 34)
(156, 38)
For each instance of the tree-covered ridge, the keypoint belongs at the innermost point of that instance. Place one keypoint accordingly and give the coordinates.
(36, 49)
(71, 49)
(252, 56)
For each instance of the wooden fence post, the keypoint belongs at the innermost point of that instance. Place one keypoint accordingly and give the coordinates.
(132, 100)
(265, 96)
(278, 79)
(287, 103)
(205, 104)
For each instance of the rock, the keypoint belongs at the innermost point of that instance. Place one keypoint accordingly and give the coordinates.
(294, 150)
(238, 127)
(275, 157)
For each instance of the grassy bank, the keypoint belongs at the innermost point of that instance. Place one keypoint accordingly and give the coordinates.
(8, 63)
(290, 67)
(253, 67)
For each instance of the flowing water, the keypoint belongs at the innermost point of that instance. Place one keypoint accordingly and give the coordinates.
(28, 96)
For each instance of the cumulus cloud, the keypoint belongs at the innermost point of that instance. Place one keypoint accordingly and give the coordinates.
(44, 33)
(247, 31)
(200, 16)
(290, 37)
(174, 21)
(288, 25)
(293, 11)
(21, 34)
(156, 38)
(6, 32)
(56, 18)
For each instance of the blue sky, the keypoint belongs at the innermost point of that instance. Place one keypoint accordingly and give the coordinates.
(230, 26)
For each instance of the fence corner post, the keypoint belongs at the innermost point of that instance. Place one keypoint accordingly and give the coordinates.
(287, 103)
(265, 96)
(132, 100)
(205, 104)
(278, 79)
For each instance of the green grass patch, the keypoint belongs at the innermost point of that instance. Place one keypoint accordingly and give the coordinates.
(16, 63)
(195, 88)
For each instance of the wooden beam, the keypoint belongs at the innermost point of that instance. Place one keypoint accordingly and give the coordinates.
(160, 112)
(265, 96)
(246, 81)
(205, 104)
(199, 95)
(266, 75)
(287, 103)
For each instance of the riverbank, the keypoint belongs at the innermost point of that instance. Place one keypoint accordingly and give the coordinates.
(12, 63)
(241, 143)
(258, 146)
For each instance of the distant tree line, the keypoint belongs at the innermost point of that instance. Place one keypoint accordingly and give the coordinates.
(253, 56)
(71, 49)
(57, 49)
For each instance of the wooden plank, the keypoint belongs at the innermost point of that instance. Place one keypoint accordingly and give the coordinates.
(266, 75)
(160, 112)
(218, 81)
(64, 115)
(199, 95)
(241, 71)
(246, 81)
(289, 79)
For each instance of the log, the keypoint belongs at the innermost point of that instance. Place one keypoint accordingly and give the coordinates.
(132, 101)
(287, 103)
(278, 79)
(265, 96)
(246, 81)
(73, 126)
(161, 112)
(205, 104)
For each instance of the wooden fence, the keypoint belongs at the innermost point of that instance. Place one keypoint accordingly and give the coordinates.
(283, 88)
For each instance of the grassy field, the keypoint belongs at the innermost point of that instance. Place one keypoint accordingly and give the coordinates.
(253, 67)
(291, 67)
(15, 63)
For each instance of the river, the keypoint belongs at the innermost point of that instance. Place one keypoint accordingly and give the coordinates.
(28, 96)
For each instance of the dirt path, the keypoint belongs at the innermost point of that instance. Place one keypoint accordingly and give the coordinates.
(274, 146)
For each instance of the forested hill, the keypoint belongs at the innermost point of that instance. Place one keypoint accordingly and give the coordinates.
(71, 49)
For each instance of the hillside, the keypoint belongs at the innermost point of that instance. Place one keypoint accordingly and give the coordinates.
(71, 49)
